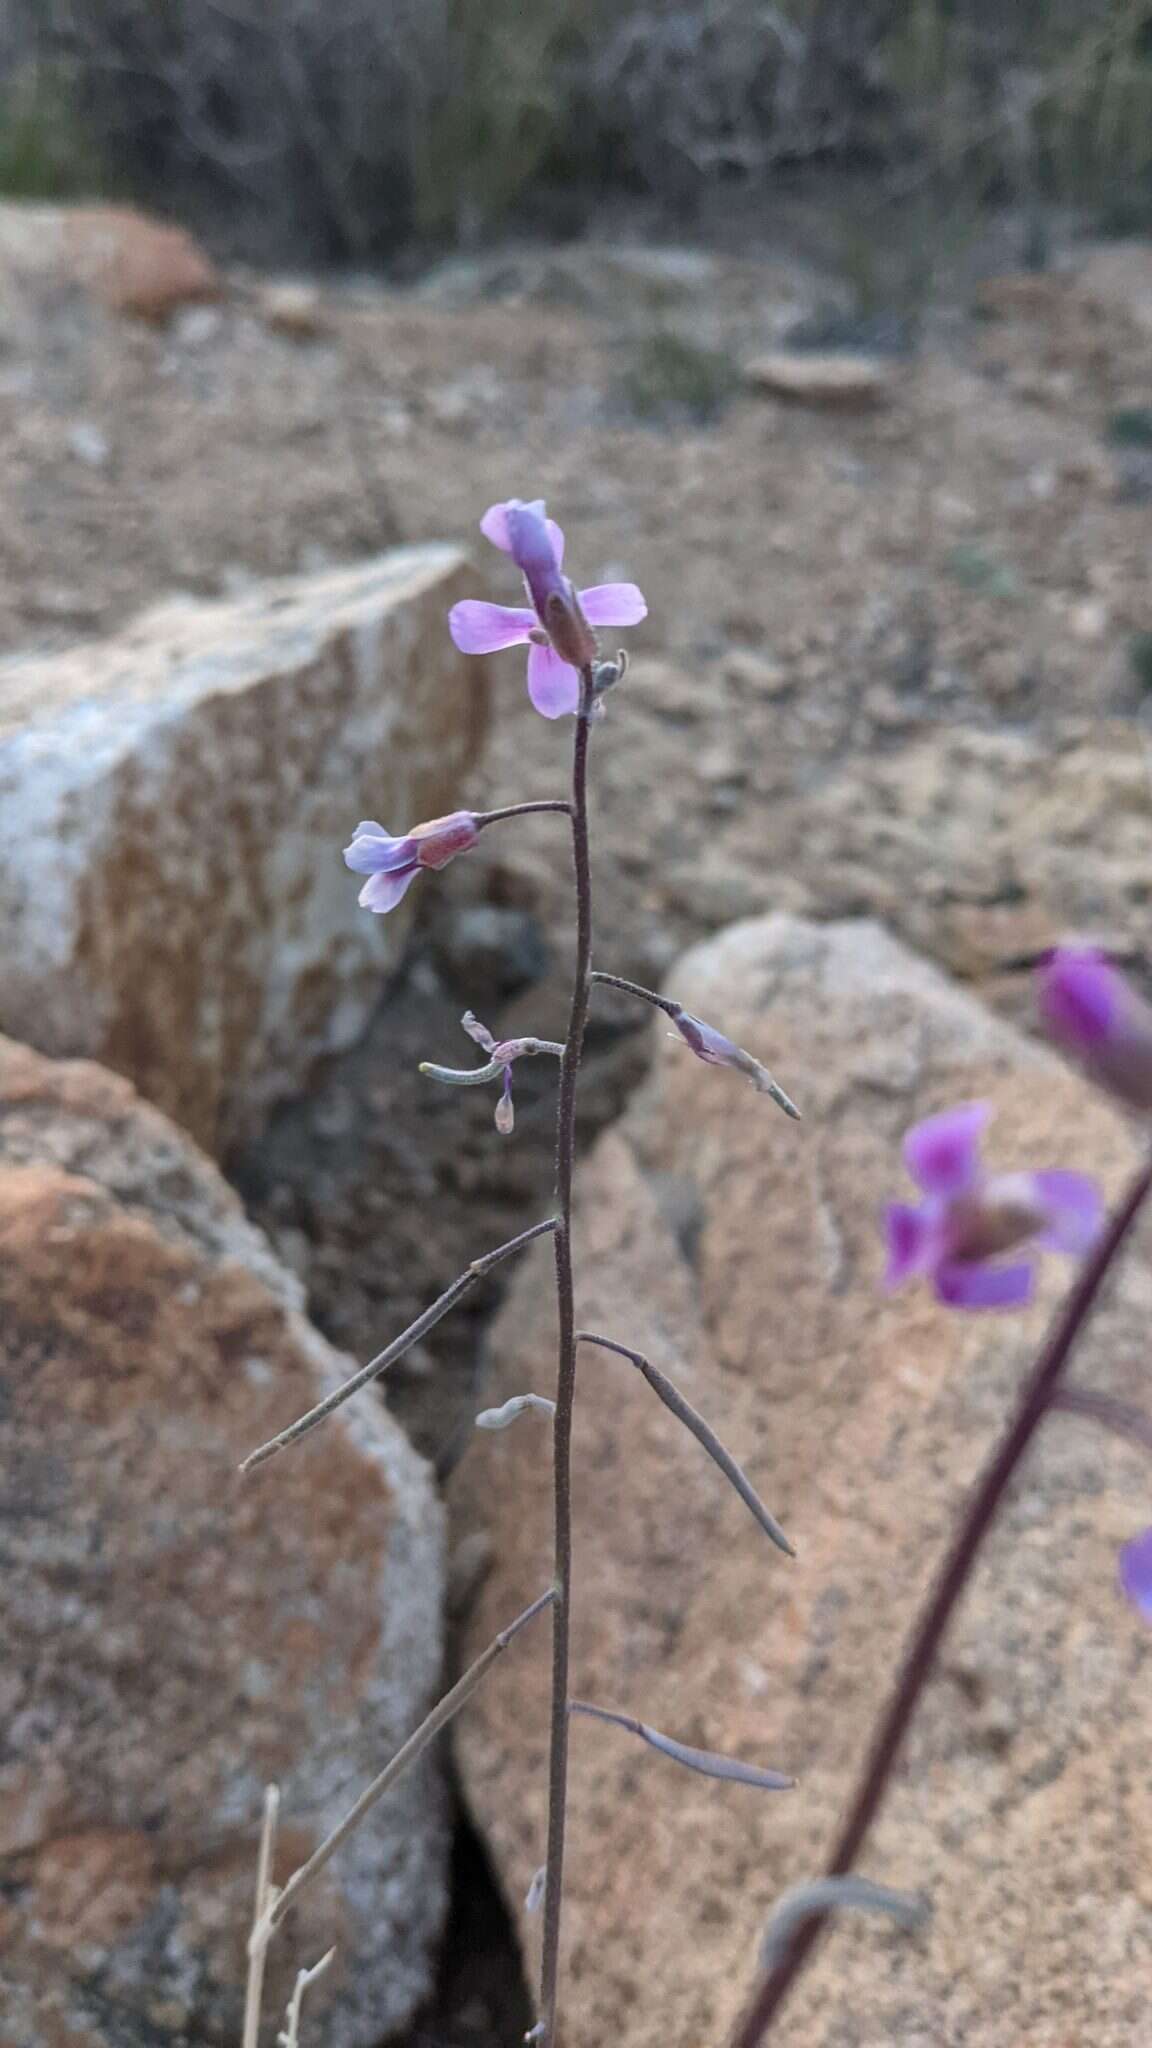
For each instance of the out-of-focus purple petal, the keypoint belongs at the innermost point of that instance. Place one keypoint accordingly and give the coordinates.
(553, 685)
(1095, 1014)
(910, 1236)
(1075, 1209)
(943, 1153)
(1079, 995)
(373, 851)
(974, 1285)
(383, 892)
(1136, 1573)
(479, 628)
(613, 604)
(557, 539)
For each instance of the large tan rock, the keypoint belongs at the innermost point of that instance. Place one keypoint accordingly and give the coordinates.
(174, 802)
(742, 1253)
(128, 262)
(174, 1638)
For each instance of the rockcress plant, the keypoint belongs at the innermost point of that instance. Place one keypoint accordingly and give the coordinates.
(973, 1235)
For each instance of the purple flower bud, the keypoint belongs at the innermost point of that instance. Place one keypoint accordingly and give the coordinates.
(1094, 1014)
(441, 839)
(505, 1110)
(1136, 1573)
(711, 1045)
(557, 605)
(392, 865)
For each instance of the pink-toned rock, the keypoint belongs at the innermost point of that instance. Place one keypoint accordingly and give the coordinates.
(174, 1637)
(137, 267)
(131, 264)
(742, 1253)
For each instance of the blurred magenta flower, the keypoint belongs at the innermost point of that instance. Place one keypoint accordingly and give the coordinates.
(392, 864)
(1093, 1013)
(558, 629)
(970, 1219)
(1136, 1573)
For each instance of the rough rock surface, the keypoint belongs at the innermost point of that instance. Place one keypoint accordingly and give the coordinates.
(1011, 843)
(130, 263)
(174, 804)
(175, 1638)
(742, 1253)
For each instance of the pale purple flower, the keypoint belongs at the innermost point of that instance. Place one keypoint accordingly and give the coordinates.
(393, 864)
(969, 1220)
(1136, 1573)
(1093, 1013)
(711, 1045)
(502, 1053)
(558, 629)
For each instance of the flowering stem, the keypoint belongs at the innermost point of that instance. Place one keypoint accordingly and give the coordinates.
(566, 1373)
(1038, 1396)
(483, 818)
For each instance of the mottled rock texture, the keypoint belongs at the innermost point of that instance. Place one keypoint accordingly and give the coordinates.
(742, 1253)
(174, 1637)
(174, 804)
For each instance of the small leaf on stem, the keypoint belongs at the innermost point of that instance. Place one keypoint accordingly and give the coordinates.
(706, 1761)
(513, 1409)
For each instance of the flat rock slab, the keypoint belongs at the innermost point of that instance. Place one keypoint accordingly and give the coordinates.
(824, 380)
(742, 1253)
(173, 804)
(174, 1637)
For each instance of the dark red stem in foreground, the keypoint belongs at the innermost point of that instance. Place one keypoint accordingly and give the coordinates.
(1034, 1403)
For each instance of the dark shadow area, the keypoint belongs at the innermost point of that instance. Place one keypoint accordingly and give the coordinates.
(481, 1998)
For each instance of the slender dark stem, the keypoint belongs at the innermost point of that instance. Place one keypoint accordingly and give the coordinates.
(645, 995)
(483, 818)
(1035, 1400)
(566, 1375)
(397, 1348)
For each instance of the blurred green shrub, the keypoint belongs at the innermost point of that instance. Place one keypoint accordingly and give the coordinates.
(1140, 660)
(349, 126)
(671, 379)
(1131, 427)
(45, 151)
(976, 568)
